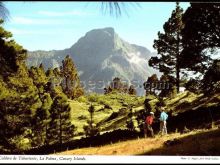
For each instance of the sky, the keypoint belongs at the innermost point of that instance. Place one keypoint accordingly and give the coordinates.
(40, 25)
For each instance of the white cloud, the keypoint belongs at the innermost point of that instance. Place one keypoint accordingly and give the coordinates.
(37, 21)
(61, 14)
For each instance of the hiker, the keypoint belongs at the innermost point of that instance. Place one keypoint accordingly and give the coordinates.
(148, 123)
(163, 124)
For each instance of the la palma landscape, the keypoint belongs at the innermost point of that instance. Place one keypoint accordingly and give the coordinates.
(92, 97)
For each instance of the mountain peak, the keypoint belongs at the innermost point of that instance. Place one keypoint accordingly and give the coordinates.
(100, 38)
(108, 31)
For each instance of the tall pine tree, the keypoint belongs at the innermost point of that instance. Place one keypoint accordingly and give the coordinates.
(39, 77)
(71, 83)
(90, 128)
(20, 99)
(169, 46)
(60, 127)
(201, 35)
(41, 121)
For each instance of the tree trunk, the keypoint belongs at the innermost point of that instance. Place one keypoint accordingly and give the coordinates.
(60, 129)
(177, 63)
(177, 78)
(91, 119)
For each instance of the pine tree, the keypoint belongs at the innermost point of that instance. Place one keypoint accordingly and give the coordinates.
(39, 77)
(168, 83)
(211, 79)
(132, 90)
(60, 127)
(151, 84)
(11, 54)
(71, 84)
(117, 86)
(169, 46)
(41, 121)
(54, 79)
(20, 99)
(91, 129)
(201, 35)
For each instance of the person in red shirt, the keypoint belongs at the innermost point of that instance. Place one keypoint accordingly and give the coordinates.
(149, 122)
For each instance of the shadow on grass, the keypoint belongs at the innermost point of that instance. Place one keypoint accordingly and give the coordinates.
(199, 144)
(183, 97)
(95, 141)
(194, 119)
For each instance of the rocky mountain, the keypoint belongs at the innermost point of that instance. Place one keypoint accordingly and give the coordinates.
(100, 56)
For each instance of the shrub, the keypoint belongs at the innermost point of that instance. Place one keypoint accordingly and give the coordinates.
(106, 106)
(93, 98)
(82, 99)
(104, 102)
(91, 130)
(20, 143)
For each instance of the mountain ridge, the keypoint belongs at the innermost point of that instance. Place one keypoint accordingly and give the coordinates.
(100, 55)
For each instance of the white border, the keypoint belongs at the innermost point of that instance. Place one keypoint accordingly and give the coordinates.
(38, 159)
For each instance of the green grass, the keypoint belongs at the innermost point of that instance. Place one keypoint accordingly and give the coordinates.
(80, 114)
(121, 103)
(196, 142)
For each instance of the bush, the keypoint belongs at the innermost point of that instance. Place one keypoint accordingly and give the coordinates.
(122, 111)
(193, 86)
(106, 106)
(104, 102)
(91, 130)
(82, 99)
(21, 143)
(93, 97)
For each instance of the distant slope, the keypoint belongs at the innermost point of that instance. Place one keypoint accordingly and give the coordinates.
(100, 56)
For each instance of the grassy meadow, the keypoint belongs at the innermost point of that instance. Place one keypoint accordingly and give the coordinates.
(111, 113)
